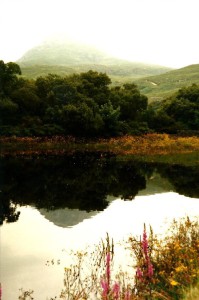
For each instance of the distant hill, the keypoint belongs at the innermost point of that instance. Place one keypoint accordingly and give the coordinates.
(161, 86)
(66, 57)
(56, 52)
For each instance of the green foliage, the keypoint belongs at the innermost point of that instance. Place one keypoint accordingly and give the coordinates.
(176, 113)
(79, 104)
(190, 93)
(8, 111)
(130, 101)
(27, 101)
(85, 105)
(8, 77)
(110, 117)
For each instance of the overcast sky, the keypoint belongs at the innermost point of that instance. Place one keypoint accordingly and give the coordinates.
(163, 32)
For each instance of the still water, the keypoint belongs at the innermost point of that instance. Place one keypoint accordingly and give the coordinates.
(52, 205)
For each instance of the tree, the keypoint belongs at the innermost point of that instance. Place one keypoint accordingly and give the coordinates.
(95, 85)
(79, 120)
(110, 117)
(29, 103)
(184, 107)
(178, 112)
(8, 112)
(8, 77)
(190, 93)
(131, 102)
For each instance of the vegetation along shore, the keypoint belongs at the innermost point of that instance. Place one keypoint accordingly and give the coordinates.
(145, 145)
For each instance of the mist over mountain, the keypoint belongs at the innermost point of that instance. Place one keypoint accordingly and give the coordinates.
(66, 57)
(66, 52)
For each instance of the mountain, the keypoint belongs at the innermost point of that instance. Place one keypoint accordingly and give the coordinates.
(66, 217)
(161, 86)
(56, 52)
(67, 57)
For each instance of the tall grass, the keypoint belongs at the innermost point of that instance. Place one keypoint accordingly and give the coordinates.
(149, 144)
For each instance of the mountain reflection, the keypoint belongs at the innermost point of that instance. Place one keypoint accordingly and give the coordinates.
(83, 181)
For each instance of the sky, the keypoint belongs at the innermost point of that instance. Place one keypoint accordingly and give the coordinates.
(163, 32)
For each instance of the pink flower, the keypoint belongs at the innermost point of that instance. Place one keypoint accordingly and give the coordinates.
(105, 288)
(0, 291)
(106, 282)
(150, 270)
(127, 295)
(139, 273)
(145, 244)
(116, 290)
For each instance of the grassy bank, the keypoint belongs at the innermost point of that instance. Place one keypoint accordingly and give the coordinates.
(150, 144)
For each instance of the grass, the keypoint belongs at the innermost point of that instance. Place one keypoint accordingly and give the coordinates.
(119, 71)
(192, 293)
(163, 85)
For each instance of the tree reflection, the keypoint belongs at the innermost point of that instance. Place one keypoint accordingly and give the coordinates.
(184, 179)
(8, 212)
(81, 181)
(75, 181)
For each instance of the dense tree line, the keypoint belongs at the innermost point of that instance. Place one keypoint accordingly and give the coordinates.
(85, 105)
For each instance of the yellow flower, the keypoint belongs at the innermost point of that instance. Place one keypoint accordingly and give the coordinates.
(177, 246)
(162, 272)
(173, 282)
(181, 269)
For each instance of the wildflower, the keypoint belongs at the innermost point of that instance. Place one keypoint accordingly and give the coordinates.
(145, 244)
(127, 295)
(150, 270)
(139, 273)
(116, 290)
(106, 283)
(181, 269)
(173, 282)
(105, 288)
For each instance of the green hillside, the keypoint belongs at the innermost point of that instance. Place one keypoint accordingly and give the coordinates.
(66, 57)
(161, 86)
(119, 73)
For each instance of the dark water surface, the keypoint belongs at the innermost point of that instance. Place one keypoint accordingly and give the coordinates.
(50, 205)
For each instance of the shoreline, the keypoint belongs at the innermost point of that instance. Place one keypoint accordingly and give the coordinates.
(147, 145)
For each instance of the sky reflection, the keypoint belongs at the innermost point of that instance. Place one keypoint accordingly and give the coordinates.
(33, 240)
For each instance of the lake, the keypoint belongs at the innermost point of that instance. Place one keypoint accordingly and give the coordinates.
(50, 205)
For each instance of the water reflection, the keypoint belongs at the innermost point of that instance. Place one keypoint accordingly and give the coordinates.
(70, 202)
(29, 243)
(82, 182)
